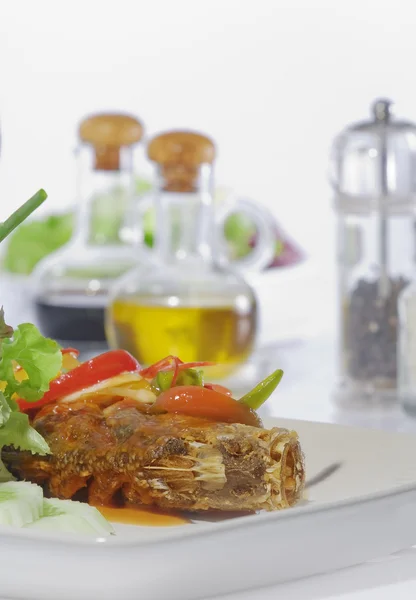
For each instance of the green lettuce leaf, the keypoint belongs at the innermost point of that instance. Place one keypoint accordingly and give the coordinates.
(17, 432)
(5, 475)
(36, 239)
(5, 330)
(40, 357)
(5, 410)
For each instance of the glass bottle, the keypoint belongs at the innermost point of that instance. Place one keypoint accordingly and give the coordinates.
(374, 181)
(184, 299)
(71, 285)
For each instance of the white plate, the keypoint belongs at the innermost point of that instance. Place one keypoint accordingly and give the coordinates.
(365, 509)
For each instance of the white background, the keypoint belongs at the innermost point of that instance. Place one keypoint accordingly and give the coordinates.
(272, 81)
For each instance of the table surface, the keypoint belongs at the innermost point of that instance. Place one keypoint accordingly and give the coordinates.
(306, 393)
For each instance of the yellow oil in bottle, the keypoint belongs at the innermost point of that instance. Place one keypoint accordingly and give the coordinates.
(217, 332)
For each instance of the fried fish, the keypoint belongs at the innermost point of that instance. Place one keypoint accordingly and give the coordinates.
(169, 461)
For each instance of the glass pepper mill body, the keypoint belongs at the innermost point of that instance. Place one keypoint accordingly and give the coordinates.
(180, 300)
(374, 165)
(72, 284)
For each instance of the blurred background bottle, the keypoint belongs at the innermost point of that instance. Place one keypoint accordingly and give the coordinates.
(183, 298)
(71, 285)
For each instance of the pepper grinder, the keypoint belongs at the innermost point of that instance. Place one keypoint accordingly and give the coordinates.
(373, 172)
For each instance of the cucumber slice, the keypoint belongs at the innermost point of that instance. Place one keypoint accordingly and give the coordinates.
(72, 517)
(65, 523)
(21, 503)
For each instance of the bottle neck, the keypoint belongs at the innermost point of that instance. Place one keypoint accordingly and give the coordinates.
(185, 219)
(103, 196)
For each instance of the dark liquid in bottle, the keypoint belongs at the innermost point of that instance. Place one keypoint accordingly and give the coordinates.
(71, 323)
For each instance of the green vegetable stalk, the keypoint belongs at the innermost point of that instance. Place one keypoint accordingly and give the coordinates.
(22, 213)
(262, 391)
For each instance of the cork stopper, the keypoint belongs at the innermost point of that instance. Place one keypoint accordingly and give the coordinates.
(180, 155)
(107, 133)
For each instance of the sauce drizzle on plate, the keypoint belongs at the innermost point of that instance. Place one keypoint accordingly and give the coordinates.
(131, 515)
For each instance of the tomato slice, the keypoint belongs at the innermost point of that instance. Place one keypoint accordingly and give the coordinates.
(218, 388)
(196, 401)
(89, 373)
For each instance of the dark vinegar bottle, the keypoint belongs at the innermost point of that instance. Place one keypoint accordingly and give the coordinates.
(71, 285)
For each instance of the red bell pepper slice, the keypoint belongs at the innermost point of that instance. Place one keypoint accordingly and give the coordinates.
(89, 373)
(218, 388)
(196, 401)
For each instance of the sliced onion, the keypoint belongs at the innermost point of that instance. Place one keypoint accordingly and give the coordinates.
(121, 379)
(143, 396)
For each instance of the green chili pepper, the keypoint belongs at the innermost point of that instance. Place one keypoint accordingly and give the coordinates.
(191, 377)
(262, 391)
(163, 379)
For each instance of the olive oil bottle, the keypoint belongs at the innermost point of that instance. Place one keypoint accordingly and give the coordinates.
(183, 298)
(216, 330)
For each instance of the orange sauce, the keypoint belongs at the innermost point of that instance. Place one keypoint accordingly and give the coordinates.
(142, 516)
